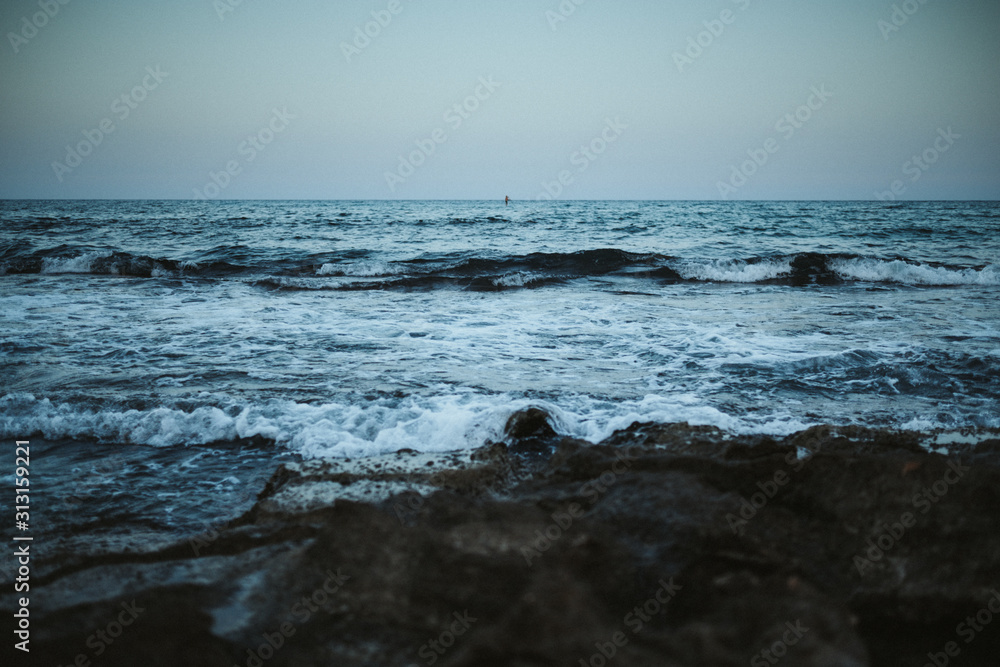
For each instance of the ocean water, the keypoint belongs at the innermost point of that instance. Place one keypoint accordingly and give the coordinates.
(175, 351)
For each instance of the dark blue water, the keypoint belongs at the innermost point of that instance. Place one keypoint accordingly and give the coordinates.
(357, 328)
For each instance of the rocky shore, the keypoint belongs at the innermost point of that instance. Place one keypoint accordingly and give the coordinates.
(663, 545)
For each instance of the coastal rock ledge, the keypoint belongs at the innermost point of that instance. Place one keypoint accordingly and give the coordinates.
(662, 545)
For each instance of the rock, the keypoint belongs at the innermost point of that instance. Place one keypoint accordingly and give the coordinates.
(299, 488)
(530, 432)
(663, 545)
(812, 268)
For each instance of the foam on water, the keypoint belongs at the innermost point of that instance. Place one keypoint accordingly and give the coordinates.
(444, 422)
(519, 279)
(441, 423)
(369, 269)
(79, 264)
(897, 271)
(512, 271)
(594, 420)
(402, 330)
(733, 271)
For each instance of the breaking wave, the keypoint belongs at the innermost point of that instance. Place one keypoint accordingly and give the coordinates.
(445, 422)
(352, 270)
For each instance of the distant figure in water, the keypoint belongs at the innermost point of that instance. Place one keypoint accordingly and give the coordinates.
(506, 201)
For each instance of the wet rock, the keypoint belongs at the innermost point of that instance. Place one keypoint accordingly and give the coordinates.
(663, 545)
(530, 432)
(812, 268)
(299, 488)
(532, 422)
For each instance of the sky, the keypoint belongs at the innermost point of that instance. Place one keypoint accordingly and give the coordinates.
(535, 99)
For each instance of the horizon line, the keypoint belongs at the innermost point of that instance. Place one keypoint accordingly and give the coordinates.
(532, 201)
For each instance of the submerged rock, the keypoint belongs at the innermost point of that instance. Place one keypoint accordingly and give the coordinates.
(663, 545)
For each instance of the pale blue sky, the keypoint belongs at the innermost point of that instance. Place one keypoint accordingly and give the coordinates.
(684, 131)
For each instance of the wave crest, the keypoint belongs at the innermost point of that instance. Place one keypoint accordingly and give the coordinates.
(905, 273)
(513, 271)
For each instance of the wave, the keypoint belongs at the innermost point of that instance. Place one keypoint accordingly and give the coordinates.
(734, 271)
(451, 421)
(368, 269)
(368, 428)
(357, 270)
(906, 273)
(113, 263)
(540, 269)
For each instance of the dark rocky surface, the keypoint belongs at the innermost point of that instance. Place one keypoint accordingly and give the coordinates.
(829, 547)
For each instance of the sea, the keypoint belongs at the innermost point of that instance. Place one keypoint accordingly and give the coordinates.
(164, 357)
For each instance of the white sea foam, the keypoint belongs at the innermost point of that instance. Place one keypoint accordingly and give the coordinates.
(365, 269)
(733, 271)
(596, 420)
(79, 264)
(435, 424)
(518, 279)
(897, 271)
